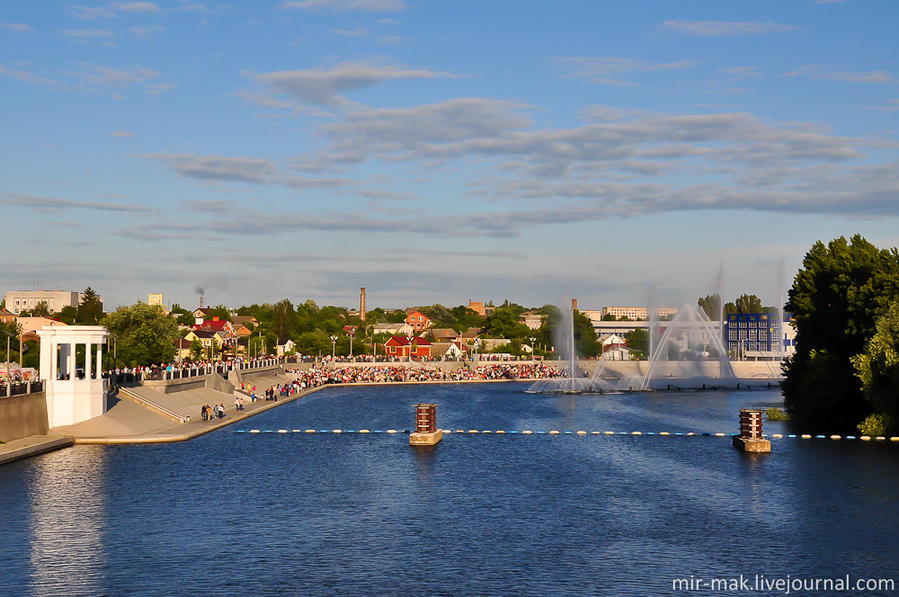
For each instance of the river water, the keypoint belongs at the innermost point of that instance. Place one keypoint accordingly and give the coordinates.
(238, 513)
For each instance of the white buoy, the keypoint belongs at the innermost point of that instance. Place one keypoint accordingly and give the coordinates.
(582, 433)
(554, 432)
(777, 436)
(500, 431)
(527, 432)
(610, 433)
(363, 431)
(664, 433)
(254, 431)
(391, 431)
(636, 433)
(337, 431)
(805, 436)
(310, 431)
(865, 438)
(282, 431)
(835, 437)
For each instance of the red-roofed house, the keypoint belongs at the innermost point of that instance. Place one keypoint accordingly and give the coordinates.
(398, 346)
(222, 327)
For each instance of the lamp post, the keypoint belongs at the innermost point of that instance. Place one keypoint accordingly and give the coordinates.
(333, 346)
(533, 353)
(411, 336)
(351, 333)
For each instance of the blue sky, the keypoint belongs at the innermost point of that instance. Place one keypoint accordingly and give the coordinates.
(441, 151)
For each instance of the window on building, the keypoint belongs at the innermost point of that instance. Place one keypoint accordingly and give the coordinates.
(744, 334)
(753, 334)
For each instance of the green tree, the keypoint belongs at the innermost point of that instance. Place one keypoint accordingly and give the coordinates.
(836, 299)
(196, 349)
(284, 320)
(68, 314)
(711, 304)
(878, 367)
(585, 338)
(41, 310)
(143, 333)
(503, 323)
(638, 340)
(90, 310)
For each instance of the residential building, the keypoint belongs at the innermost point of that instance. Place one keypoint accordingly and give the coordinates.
(400, 346)
(6, 316)
(619, 328)
(532, 319)
(480, 308)
(182, 349)
(394, 329)
(444, 335)
(30, 326)
(288, 347)
(638, 313)
(155, 299)
(25, 300)
(418, 321)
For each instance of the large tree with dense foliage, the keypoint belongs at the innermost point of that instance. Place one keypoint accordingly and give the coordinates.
(837, 297)
(878, 370)
(90, 309)
(143, 333)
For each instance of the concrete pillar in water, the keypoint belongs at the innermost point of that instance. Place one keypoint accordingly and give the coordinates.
(426, 432)
(750, 438)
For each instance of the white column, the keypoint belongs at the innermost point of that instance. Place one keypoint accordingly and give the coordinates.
(70, 368)
(88, 370)
(99, 361)
(54, 360)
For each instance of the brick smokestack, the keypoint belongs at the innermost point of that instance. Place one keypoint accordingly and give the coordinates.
(574, 304)
(362, 303)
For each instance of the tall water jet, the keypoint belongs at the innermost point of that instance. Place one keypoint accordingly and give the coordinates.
(564, 338)
(781, 303)
(689, 354)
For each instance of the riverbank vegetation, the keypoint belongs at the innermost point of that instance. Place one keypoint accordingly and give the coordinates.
(845, 305)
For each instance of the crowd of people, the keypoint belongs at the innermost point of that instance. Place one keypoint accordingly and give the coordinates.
(391, 374)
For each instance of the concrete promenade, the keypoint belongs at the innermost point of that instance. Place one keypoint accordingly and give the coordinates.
(32, 446)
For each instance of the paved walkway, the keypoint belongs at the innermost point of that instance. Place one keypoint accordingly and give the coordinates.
(31, 446)
(126, 422)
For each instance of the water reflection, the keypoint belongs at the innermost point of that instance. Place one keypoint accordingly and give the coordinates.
(68, 510)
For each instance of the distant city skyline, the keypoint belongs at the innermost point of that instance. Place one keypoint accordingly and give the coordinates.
(441, 152)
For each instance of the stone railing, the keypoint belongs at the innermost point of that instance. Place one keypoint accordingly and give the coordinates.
(18, 388)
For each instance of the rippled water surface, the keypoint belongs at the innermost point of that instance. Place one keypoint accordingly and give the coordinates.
(240, 513)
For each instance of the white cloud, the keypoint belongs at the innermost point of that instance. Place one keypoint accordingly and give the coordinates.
(135, 7)
(148, 32)
(817, 71)
(89, 34)
(326, 87)
(28, 77)
(726, 28)
(17, 27)
(90, 13)
(346, 5)
(97, 77)
(599, 69)
(53, 203)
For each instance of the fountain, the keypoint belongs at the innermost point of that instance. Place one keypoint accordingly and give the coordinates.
(689, 353)
(564, 385)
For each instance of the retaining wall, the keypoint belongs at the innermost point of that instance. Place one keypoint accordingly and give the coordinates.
(22, 416)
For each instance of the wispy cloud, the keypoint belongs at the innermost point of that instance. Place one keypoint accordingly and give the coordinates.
(135, 7)
(53, 203)
(345, 5)
(817, 71)
(89, 34)
(726, 28)
(97, 77)
(601, 69)
(148, 32)
(28, 77)
(326, 87)
(16, 27)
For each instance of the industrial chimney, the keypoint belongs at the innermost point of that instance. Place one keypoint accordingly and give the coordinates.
(362, 303)
(574, 304)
